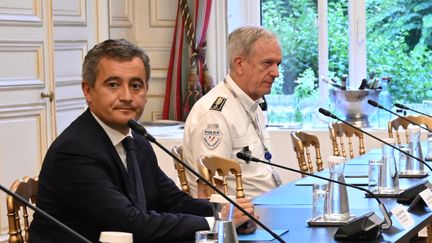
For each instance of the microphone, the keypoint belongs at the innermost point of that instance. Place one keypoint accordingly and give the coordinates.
(366, 227)
(45, 214)
(138, 128)
(407, 108)
(374, 103)
(410, 193)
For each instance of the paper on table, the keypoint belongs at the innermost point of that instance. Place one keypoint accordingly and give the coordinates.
(259, 235)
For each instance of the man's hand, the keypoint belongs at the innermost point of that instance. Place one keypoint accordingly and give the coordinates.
(242, 222)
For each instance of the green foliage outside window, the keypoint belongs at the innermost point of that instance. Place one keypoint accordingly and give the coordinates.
(399, 43)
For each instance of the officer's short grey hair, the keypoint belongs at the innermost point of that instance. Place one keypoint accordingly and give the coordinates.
(241, 40)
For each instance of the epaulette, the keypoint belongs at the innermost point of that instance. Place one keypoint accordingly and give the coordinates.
(218, 104)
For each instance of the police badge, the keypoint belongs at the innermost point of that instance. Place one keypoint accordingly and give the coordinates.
(212, 136)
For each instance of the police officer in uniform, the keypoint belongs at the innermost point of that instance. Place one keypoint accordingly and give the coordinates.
(229, 119)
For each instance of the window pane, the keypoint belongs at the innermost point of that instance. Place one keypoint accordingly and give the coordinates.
(295, 23)
(399, 45)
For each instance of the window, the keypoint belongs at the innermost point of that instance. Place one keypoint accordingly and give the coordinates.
(398, 45)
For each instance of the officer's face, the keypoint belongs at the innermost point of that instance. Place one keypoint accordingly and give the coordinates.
(261, 68)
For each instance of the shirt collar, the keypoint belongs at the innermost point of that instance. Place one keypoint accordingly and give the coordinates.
(115, 136)
(249, 104)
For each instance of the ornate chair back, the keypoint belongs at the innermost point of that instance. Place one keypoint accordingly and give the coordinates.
(397, 123)
(339, 133)
(177, 150)
(302, 141)
(17, 212)
(223, 166)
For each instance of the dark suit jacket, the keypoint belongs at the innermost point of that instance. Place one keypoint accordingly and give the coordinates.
(81, 184)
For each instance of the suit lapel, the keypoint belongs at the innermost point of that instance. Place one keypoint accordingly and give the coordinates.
(118, 164)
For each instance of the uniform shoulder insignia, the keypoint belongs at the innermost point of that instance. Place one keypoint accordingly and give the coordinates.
(218, 104)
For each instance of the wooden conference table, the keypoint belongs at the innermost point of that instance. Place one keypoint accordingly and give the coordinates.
(289, 207)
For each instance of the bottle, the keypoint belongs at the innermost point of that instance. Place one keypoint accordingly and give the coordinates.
(344, 82)
(415, 167)
(336, 207)
(388, 182)
(384, 99)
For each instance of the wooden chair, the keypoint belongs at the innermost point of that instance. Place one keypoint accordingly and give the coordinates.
(341, 131)
(394, 126)
(223, 166)
(27, 188)
(301, 143)
(177, 150)
(397, 123)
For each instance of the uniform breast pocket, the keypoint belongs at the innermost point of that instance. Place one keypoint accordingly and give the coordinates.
(250, 145)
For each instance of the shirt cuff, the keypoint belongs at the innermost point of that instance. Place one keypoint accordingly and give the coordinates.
(210, 221)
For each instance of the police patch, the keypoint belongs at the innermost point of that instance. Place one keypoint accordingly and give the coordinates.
(212, 136)
(218, 104)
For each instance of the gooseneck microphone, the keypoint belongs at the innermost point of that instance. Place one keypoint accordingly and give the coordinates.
(45, 214)
(353, 230)
(329, 114)
(407, 108)
(410, 193)
(374, 103)
(138, 128)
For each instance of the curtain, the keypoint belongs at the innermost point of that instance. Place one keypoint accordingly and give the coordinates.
(188, 77)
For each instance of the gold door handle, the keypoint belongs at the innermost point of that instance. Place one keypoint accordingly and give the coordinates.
(50, 95)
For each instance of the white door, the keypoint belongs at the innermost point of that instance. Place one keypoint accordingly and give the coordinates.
(26, 119)
(76, 30)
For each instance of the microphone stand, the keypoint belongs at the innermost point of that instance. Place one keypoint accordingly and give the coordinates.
(410, 193)
(373, 103)
(45, 214)
(329, 114)
(388, 221)
(407, 108)
(138, 128)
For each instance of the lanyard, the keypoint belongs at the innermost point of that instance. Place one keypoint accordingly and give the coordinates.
(267, 154)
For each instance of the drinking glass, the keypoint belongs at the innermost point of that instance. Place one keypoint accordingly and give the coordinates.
(373, 174)
(206, 236)
(429, 147)
(319, 192)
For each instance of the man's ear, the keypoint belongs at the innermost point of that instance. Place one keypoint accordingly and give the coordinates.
(85, 86)
(238, 65)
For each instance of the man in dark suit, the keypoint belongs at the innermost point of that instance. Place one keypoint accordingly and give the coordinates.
(88, 181)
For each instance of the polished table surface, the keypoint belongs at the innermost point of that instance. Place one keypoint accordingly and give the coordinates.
(290, 207)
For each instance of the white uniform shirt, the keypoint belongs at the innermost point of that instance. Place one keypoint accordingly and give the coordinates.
(225, 130)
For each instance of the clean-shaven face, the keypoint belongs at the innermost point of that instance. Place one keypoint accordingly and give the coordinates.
(119, 93)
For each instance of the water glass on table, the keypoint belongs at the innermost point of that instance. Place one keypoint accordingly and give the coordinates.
(405, 161)
(319, 192)
(373, 174)
(206, 236)
(429, 147)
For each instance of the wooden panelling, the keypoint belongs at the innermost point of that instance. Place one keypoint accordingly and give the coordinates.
(24, 65)
(67, 111)
(159, 57)
(27, 12)
(24, 153)
(121, 13)
(69, 12)
(163, 13)
(68, 59)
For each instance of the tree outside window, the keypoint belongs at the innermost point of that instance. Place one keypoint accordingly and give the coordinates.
(399, 45)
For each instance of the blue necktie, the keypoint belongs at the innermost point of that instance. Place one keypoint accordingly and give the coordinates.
(138, 195)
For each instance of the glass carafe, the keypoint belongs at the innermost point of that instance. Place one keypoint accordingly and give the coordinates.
(223, 212)
(389, 172)
(415, 167)
(336, 206)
